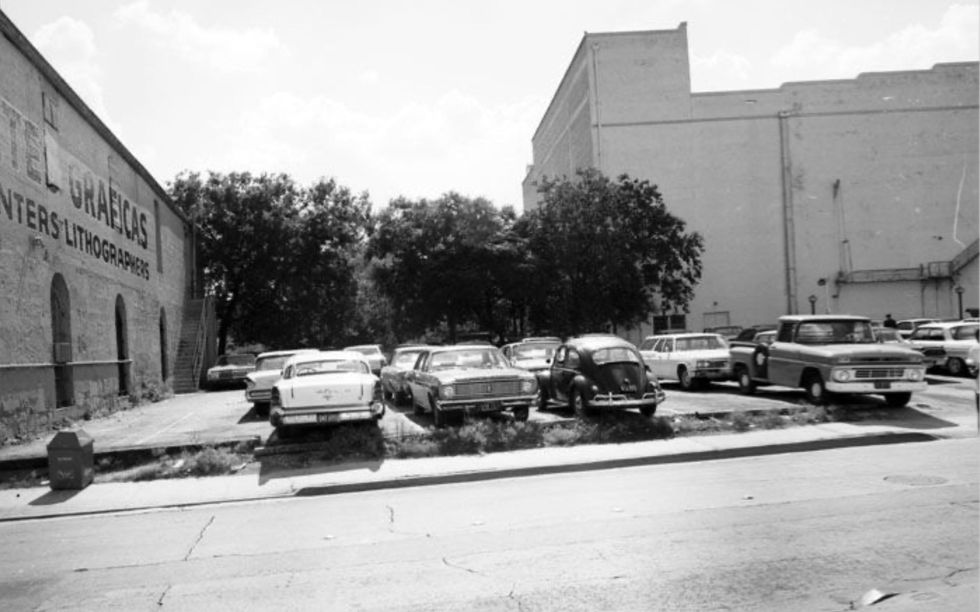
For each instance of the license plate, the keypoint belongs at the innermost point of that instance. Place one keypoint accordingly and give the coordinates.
(883, 384)
(327, 418)
(299, 418)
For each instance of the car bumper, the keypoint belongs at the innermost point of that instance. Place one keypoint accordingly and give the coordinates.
(714, 374)
(488, 404)
(326, 415)
(893, 386)
(258, 395)
(620, 401)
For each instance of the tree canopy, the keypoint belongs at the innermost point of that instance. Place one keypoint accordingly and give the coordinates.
(278, 258)
(604, 253)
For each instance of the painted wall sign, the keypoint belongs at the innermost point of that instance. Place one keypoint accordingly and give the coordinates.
(88, 197)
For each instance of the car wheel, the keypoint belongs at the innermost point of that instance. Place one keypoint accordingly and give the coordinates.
(579, 406)
(745, 383)
(955, 366)
(438, 416)
(815, 389)
(261, 409)
(760, 357)
(521, 413)
(387, 395)
(897, 400)
(684, 376)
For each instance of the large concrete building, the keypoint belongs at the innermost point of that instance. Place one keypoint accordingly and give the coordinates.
(855, 195)
(96, 274)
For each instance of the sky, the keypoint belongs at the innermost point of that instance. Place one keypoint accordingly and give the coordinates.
(417, 98)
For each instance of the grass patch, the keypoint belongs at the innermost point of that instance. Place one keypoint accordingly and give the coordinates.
(207, 461)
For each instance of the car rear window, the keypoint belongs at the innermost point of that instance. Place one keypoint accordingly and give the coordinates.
(617, 354)
(271, 363)
(330, 366)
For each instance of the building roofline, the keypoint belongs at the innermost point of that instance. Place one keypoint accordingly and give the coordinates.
(18, 40)
(586, 36)
(861, 75)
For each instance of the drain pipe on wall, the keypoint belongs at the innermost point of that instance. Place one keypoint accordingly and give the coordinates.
(789, 231)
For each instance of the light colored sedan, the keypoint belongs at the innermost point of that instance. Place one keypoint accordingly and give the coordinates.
(691, 359)
(268, 369)
(373, 354)
(325, 388)
(946, 344)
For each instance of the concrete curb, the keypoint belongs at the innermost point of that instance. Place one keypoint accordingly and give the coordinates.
(452, 477)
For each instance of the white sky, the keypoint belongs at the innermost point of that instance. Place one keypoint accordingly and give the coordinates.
(421, 97)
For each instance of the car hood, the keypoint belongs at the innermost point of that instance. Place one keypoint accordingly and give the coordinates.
(461, 374)
(865, 352)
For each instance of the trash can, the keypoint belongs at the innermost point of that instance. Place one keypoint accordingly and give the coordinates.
(71, 463)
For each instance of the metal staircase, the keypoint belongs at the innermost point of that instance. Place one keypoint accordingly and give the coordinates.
(192, 348)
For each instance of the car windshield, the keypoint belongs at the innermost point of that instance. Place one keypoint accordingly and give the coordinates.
(700, 343)
(476, 357)
(619, 354)
(272, 362)
(835, 332)
(405, 359)
(331, 366)
(534, 350)
(236, 360)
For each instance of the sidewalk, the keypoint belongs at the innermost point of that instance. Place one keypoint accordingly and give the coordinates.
(41, 502)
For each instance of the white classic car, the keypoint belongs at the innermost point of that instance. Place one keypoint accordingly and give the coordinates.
(324, 388)
(691, 359)
(268, 369)
(946, 345)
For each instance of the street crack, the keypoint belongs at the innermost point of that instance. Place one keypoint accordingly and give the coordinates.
(200, 536)
(164, 594)
(448, 563)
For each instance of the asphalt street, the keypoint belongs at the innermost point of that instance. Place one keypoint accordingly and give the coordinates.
(805, 531)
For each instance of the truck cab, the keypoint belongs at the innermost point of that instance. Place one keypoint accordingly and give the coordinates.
(827, 354)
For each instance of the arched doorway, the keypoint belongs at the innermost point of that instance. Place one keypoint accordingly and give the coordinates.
(61, 342)
(164, 369)
(122, 346)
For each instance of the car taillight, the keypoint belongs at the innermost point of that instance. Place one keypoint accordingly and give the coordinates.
(274, 400)
(378, 394)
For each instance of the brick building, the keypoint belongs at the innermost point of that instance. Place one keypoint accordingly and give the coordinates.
(96, 269)
(856, 195)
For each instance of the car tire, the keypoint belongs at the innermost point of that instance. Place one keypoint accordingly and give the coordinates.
(387, 395)
(684, 377)
(760, 357)
(745, 383)
(261, 409)
(955, 366)
(579, 404)
(897, 400)
(521, 414)
(438, 416)
(815, 389)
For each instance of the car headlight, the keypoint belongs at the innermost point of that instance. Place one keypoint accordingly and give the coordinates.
(913, 374)
(448, 392)
(527, 386)
(842, 375)
(702, 365)
(212, 374)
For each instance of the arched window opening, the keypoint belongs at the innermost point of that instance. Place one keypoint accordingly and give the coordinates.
(61, 342)
(164, 362)
(122, 346)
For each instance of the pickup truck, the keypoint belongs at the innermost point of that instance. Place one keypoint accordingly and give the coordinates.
(826, 354)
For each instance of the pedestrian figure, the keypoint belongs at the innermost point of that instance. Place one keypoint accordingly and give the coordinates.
(889, 321)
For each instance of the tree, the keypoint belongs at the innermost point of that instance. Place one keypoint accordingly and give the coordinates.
(436, 262)
(603, 252)
(276, 257)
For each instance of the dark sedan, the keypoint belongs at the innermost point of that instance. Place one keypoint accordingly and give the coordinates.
(599, 372)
